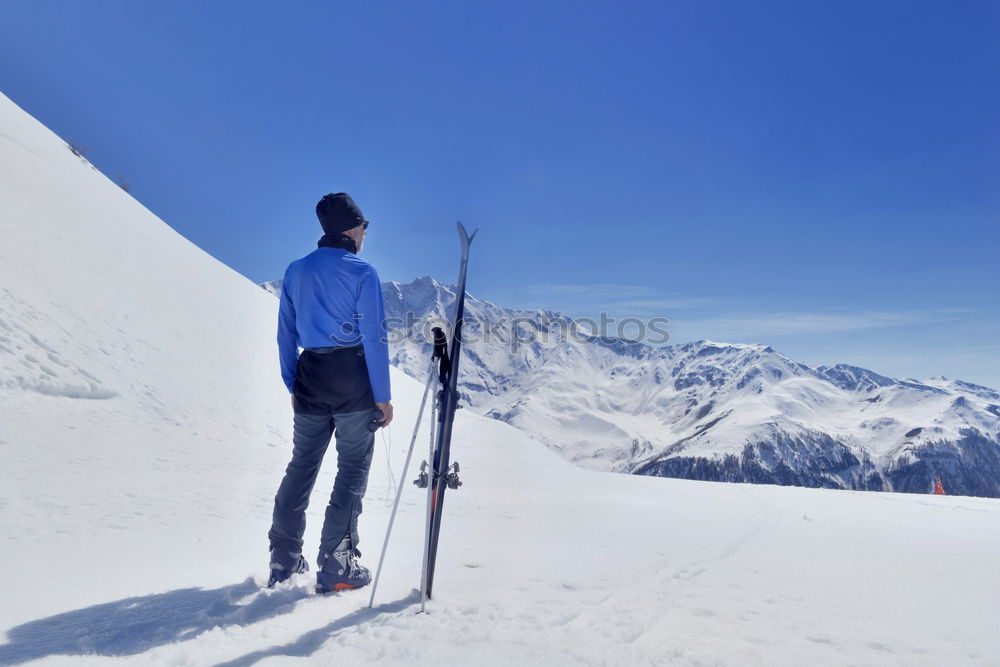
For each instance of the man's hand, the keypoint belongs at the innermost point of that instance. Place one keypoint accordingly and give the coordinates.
(386, 409)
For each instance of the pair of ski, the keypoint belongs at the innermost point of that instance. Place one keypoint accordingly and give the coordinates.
(437, 473)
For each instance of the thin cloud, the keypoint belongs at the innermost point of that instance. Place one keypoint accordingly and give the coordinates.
(786, 324)
(604, 297)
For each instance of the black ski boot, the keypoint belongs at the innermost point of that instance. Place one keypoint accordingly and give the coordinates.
(282, 568)
(342, 570)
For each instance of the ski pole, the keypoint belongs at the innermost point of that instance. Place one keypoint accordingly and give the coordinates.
(402, 480)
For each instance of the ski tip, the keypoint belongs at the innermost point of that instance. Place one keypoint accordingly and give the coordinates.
(464, 235)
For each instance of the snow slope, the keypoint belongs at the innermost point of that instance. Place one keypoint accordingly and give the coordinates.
(144, 429)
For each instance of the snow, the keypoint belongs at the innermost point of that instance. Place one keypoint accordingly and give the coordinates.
(145, 428)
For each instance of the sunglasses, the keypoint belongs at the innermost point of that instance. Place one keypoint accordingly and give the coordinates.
(364, 224)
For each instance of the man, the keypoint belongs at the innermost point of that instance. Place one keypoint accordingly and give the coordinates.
(332, 307)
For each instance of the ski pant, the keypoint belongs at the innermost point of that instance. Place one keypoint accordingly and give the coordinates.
(355, 444)
(327, 401)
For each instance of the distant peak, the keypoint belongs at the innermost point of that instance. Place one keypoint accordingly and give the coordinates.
(717, 343)
(427, 282)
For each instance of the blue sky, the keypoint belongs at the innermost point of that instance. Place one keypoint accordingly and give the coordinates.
(818, 176)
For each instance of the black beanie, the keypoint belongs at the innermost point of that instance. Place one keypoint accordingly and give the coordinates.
(338, 213)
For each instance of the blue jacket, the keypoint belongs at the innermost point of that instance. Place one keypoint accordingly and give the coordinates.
(332, 298)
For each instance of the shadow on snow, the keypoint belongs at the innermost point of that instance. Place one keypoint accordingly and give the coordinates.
(136, 625)
(308, 643)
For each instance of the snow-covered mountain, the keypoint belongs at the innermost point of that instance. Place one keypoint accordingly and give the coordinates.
(272, 287)
(144, 429)
(706, 410)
